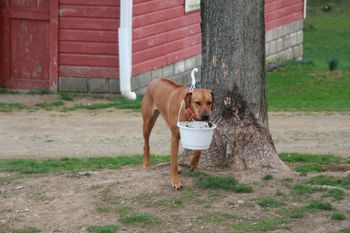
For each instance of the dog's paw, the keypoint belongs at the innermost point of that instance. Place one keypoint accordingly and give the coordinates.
(179, 169)
(193, 165)
(176, 183)
(146, 164)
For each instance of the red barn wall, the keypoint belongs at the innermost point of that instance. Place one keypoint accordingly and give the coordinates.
(163, 34)
(282, 12)
(88, 40)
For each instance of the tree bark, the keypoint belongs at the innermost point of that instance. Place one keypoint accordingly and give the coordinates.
(233, 66)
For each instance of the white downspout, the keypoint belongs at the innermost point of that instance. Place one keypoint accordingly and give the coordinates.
(305, 4)
(125, 48)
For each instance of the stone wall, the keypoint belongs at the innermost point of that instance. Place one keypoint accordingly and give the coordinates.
(284, 42)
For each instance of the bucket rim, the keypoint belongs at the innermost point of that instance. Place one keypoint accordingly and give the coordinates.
(196, 129)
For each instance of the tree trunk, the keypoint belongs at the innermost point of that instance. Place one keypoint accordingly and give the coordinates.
(233, 66)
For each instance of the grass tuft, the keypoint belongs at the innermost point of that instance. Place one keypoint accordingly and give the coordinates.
(301, 189)
(330, 181)
(228, 183)
(264, 224)
(267, 177)
(336, 194)
(338, 216)
(102, 229)
(268, 202)
(314, 205)
(129, 216)
(309, 168)
(345, 230)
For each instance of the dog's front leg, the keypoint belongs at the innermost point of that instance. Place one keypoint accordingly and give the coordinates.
(175, 179)
(195, 159)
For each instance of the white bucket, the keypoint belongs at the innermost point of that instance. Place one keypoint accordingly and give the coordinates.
(196, 135)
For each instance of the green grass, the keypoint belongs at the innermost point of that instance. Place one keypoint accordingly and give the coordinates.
(128, 216)
(139, 218)
(228, 183)
(309, 168)
(319, 205)
(24, 230)
(50, 105)
(267, 177)
(302, 189)
(66, 96)
(217, 218)
(268, 202)
(330, 181)
(39, 92)
(171, 203)
(345, 230)
(338, 216)
(118, 102)
(312, 158)
(31, 166)
(313, 87)
(7, 91)
(264, 224)
(102, 229)
(313, 206)
(326, 33)
(312, 162)
(336, 194)
(308, 88)
(115, 102)
(9, 107)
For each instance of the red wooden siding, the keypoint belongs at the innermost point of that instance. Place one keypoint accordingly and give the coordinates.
(88, 38)
(163, 34)
(282, 12)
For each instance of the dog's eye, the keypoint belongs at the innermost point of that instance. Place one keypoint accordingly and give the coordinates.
(198, 103)
(208, 103)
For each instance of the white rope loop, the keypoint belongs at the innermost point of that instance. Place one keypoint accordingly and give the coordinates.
(192, 87)
(193, 84)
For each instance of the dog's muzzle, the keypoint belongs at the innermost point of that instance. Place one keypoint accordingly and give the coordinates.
(205, 116)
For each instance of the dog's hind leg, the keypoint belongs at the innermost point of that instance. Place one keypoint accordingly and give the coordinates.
(150, 116)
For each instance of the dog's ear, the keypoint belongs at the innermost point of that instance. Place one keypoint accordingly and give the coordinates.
(212, 100)
(188, 99)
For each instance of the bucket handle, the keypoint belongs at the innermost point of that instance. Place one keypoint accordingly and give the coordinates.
(192, 87)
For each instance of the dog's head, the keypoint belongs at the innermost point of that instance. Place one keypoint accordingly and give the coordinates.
(200, 101)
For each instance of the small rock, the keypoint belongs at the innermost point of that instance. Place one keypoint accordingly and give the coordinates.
(45, 202)
(240, 202)
(26, 210)
(188, 224)
(19, 187)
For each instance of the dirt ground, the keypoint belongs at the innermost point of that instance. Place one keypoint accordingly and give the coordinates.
(43, 134)
(68, 202)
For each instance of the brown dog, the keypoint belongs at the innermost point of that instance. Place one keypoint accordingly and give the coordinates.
(165, 97)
